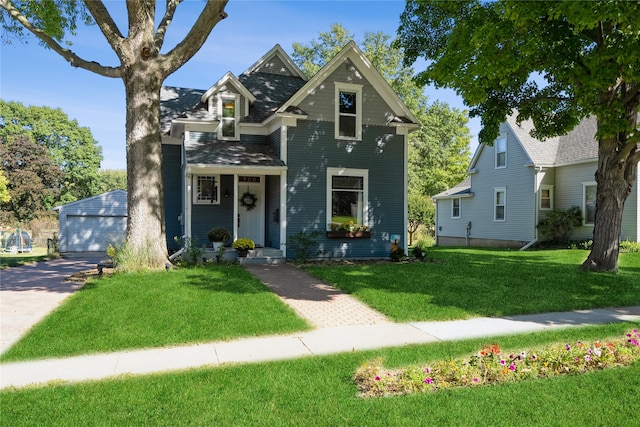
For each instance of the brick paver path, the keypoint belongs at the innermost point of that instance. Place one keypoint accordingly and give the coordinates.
(321, 304)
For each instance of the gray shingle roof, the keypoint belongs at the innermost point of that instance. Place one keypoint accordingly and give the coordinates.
(578, 145)
(271, 91)
(230, 154)
(460, 189)
(176, 102)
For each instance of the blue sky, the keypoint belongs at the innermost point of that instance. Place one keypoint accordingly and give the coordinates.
(34, 75)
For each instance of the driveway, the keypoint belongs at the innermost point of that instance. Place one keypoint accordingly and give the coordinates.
(28, 293)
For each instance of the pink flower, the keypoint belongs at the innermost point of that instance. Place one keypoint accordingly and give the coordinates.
(428, 380)
(377, 378)
(503, 362)
(475, 380)
(427, 370)
(512, 367)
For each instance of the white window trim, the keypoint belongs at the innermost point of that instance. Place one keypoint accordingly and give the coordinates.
(496, 152)
(459, 208)
(348, 87)
(496, 190)
(584, 202)
(195, 191)
(364, 173)
(236, 98)
(550, 188)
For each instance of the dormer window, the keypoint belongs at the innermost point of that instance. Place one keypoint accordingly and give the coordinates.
(501, 152)
(228, 111)
(348, 111)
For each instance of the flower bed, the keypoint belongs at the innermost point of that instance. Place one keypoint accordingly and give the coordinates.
(490, 366)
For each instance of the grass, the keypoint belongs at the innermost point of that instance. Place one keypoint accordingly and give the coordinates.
(128, 311)
(320, 391)
(13, 260)
(463, 283)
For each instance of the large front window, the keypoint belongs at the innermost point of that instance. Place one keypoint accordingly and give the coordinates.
(348, 111)
(206, 189)
(589, 202)
(347, 197)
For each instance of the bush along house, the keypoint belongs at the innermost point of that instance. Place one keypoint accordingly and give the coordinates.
(271, 153)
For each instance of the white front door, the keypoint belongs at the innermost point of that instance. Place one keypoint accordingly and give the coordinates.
(251, 219)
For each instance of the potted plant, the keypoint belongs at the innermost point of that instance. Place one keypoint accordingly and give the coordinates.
(243, 246)
(218, 236)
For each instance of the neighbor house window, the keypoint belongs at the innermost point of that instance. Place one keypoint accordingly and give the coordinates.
(546, 197)
(229, 116)
(500, 204)
(455, 208)
(206, 189)
(501, 152)
(589, 202)
(347, 195)
(348, 115)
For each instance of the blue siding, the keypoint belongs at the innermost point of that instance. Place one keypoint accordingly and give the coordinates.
(172, 182)
(206, 217)
(312, 149)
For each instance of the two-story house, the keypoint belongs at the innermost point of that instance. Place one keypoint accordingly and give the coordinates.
(513, 184)
(270, 153)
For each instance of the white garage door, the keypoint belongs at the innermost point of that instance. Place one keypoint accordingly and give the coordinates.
(94, 233)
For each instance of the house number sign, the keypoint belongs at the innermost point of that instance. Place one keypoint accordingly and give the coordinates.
(249, 178)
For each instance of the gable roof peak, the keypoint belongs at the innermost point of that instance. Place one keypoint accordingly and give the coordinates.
(277, 52)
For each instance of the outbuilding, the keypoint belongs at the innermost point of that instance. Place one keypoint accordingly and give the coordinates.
(90, 224)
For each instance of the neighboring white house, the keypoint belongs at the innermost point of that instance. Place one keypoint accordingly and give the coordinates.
(90, 224)
(514, 183)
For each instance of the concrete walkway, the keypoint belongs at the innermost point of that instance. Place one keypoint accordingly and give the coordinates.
(343, 324)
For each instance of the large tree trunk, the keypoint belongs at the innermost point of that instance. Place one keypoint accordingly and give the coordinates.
(615, 177)
(146, 238)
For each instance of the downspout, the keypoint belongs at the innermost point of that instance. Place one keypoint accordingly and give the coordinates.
(535, 211)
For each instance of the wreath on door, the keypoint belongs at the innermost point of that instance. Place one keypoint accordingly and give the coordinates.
(248, 200)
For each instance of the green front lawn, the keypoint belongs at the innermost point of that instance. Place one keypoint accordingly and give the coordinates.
(462, 283)
(187, 305)
(8, 259)
(319, 391)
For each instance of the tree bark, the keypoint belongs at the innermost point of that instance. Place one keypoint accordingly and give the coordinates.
(146, 235)
(615, 178)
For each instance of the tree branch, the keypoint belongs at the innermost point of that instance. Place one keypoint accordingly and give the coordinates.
(106, 24)
(212, 13)
(67, 54)
(165, 22)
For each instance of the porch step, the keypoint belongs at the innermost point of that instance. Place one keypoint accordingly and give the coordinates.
(263, 256)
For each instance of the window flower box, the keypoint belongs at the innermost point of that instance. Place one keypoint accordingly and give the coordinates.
(349, 234)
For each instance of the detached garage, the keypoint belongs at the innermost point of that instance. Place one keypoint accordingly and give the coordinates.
(89, 225)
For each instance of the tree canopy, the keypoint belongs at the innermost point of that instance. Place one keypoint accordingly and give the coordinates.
(555, 62)
(144, 64)
(70, 146)
(33, 179)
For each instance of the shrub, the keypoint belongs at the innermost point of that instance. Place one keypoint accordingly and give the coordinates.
(559, 223)
(303, 243)
(629, 246)
(420, 250)
(219, 235)
(243, 244)
(397, 253)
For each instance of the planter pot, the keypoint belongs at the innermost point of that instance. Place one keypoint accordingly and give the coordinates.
(242, 252)
(349, 234)
(217, 246)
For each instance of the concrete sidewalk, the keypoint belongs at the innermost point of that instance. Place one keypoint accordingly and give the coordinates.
(343, 324)
(321, 341)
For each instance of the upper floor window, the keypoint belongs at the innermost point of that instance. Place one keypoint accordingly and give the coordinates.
(348, 115)
(589, 202)
(206, 189)
(455, 208)
(347, 196)
(546, 197)
(500, 204)
(228, 110)
(501, 152)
